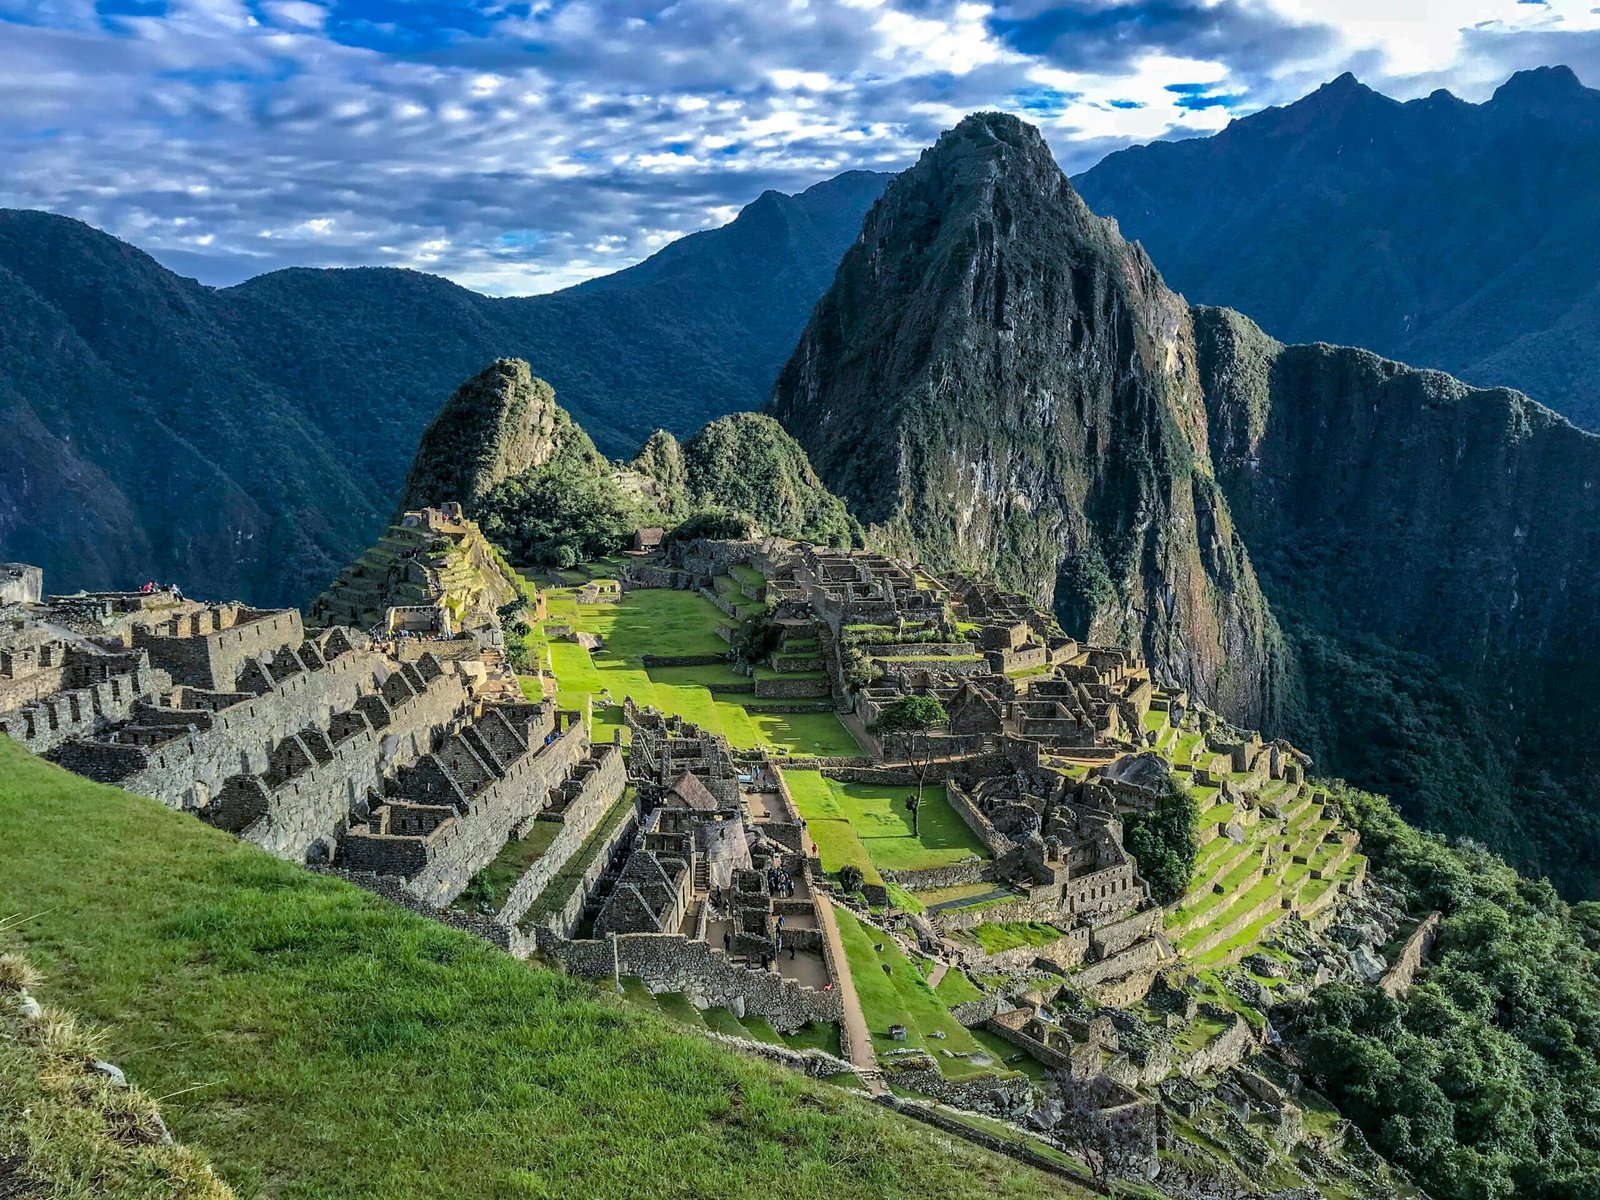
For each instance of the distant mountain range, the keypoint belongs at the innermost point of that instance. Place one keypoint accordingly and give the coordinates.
(248, 441)
(1441, 233)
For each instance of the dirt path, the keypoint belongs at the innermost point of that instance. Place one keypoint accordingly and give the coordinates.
(862, 1056)
(936, 976)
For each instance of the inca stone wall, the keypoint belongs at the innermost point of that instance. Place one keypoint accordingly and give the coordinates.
(231, 737)
(209, 648)
(316, 778)
(475, 837)
(672, 963)
(600, 789)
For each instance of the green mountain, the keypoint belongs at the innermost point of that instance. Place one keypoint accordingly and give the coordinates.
(1433, 552)
(250, 440)
(996, 382)
(1387, 566)
(748, 463)
(1442, 233)
(517, 461)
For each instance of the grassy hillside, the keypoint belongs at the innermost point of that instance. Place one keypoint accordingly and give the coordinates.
(316, 1041)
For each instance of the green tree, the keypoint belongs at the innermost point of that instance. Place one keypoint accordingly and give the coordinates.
(914, 718)
(1164, 843)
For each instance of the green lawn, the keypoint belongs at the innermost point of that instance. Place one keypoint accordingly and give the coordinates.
(316, 1041)
(901, 996)
(881, 824)
(671, 624)
(495, 881)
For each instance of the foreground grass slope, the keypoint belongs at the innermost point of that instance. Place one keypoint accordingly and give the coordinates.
(67, 1129)
(315, 1041)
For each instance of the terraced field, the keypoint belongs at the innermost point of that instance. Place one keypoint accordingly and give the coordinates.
(1255, 868)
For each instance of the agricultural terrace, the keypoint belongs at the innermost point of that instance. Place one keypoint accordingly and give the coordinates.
(318, 1042)
(672, 624)
(1283, 853)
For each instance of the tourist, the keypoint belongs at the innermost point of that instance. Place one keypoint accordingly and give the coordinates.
(176, 594)
(727, 941)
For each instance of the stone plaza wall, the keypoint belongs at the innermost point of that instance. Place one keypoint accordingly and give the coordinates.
(968, 870)
(702, 972)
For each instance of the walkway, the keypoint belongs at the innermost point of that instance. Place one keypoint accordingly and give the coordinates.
(936, 976)
(969, 901)
(856, 1034)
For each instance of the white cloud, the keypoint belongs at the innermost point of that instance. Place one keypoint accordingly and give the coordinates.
(530, 148)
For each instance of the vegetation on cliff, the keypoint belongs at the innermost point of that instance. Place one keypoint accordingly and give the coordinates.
(498, 424)
(748, 463)
(1442, 616)
(1482, 1079)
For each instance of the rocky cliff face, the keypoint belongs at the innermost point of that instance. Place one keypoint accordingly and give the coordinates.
(997, 382)
(1433, 551)
(497, 424)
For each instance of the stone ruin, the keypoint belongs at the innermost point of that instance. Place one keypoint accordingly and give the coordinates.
(321, 746)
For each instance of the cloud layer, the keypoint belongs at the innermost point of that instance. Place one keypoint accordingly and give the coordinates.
(524, 146)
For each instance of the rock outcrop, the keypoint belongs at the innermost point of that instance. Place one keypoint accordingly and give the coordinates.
(997, 382)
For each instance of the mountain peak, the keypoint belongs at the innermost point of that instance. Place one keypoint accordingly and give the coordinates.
(990, 132)
(1540, 85)
(498, 424)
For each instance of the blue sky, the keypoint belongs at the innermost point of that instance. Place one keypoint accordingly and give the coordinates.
(527, 145)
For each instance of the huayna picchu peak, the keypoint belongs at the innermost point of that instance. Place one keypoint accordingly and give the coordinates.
(1040, 734)
(998, 382)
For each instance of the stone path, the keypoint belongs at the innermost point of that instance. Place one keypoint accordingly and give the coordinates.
(862, 1056)
(1002, 894)
(936, 976)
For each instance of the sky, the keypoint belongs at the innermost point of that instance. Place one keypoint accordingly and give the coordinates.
(524, 146)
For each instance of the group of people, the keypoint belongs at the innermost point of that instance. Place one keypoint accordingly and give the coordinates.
(779, 882)
(151, 587)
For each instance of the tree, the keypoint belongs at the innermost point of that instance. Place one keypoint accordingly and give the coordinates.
(914, 718)
(1164, 844)
(1110, 1151)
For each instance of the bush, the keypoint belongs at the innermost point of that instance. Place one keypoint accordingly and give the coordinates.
(1164, 843)
(851, 878)
(716, 524)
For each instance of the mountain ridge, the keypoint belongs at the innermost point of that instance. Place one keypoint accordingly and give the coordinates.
(250, 440)
(1435, 231)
